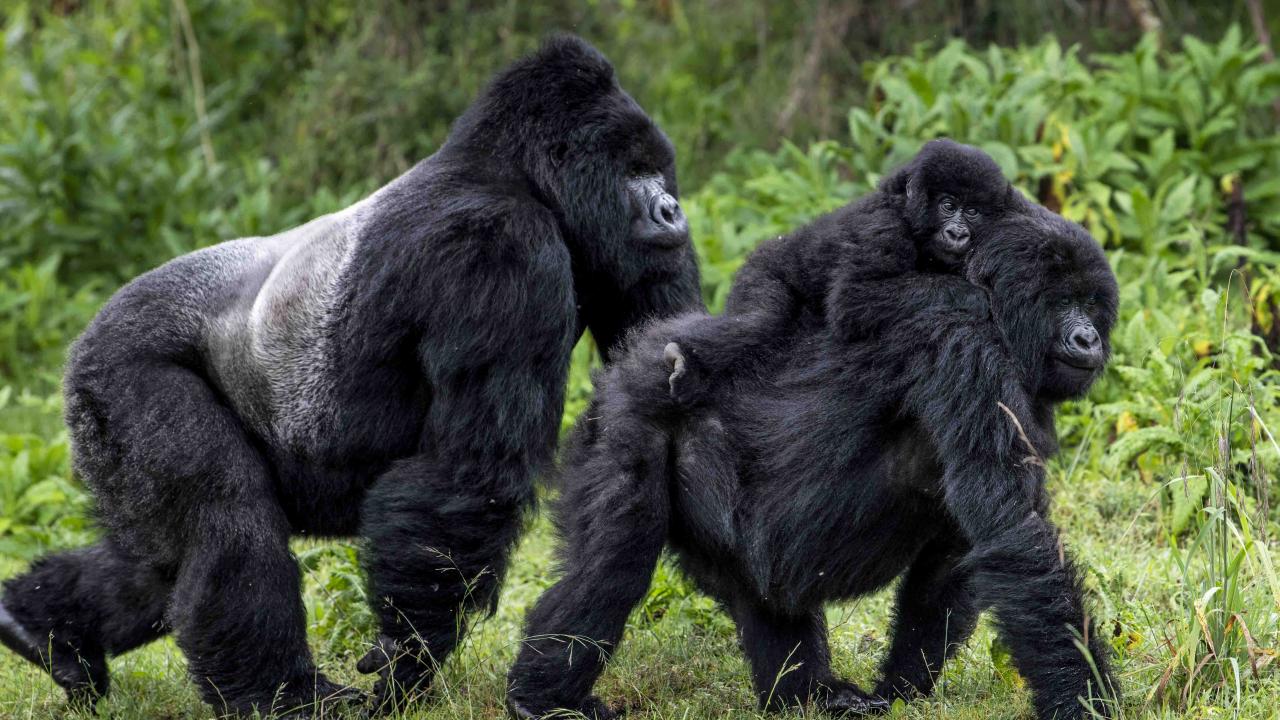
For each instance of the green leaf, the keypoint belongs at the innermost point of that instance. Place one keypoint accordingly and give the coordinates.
(1132, 444)
(1188, 498)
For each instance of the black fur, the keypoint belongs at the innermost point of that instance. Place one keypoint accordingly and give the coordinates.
(860, 249)
(825, 471)
(394, 371)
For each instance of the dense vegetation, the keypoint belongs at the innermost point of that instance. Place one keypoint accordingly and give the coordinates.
(133, 132)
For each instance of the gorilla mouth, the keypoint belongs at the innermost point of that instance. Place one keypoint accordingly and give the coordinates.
(671, 242)
(1077, 365)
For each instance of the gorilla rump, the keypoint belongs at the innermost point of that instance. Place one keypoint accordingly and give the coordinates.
(837, 468)
(395, 370)
(927, 215)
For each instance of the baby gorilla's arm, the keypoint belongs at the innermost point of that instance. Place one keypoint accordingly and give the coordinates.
(776, 283)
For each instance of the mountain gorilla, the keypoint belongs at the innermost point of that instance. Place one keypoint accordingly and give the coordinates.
(838, 466)
(927, 215)
(394, 370)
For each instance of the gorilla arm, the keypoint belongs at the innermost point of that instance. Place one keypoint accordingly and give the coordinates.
(441, 524)
(610, 313)
(859, 244)
(959, 375)
(771, 290)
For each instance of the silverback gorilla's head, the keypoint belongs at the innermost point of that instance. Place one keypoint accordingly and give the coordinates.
(591, 155)
(1054, 294)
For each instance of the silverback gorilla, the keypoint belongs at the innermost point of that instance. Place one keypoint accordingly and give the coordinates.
(825, 471)
(394, 370)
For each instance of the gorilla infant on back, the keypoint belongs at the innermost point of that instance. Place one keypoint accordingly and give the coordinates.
(394, 370)
(927, 215)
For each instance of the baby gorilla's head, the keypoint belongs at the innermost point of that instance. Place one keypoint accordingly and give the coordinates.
(950, 193)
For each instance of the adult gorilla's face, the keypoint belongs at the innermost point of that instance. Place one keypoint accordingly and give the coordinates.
(656, 216)
(558, 124)
(614, 182)
(1079, 350)
(1055, 295)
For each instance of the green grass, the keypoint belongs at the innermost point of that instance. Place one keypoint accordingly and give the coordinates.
(679, 658)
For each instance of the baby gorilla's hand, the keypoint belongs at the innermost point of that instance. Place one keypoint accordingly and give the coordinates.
(687, 381)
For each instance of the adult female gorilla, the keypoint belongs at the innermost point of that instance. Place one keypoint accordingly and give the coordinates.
(844, 465)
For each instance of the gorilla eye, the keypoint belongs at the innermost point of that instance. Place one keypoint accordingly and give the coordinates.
(948, 205)
(1064, 302)
(971, 212)
(1091, 301)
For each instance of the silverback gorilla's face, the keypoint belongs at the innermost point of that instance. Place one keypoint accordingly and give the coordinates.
(619, 198)
(559, 123)
(656, 216)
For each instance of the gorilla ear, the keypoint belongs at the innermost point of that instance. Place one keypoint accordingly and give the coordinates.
(1014, 199)
(557, 154)
(917, 195)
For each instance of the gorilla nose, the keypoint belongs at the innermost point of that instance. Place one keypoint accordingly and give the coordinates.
(1085, 347)
(1084, 340)
(666, 213)
(956, 235)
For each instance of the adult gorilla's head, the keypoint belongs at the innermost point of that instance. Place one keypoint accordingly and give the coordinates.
(1055, 297)
(558, 121)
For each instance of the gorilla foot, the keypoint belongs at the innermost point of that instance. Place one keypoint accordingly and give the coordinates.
(83, 675)
(593, 708)
(687, 381)
(844, 699)
(405, 671)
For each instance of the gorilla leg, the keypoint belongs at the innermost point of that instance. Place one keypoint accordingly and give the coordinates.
(791, 661)
(72, 609)
(435, 554)
(178, 481)
(615, 524)
(238, 614)
(1035, 591)
(1020, 569)
(936, 613)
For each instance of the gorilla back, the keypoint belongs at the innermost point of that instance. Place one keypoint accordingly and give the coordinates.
(395, 369)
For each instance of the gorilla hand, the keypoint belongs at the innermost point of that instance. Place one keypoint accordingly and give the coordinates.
(687, 381)
(844, 699)
(404, 669)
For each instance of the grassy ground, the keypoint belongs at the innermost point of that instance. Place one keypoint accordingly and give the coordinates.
(680, 660)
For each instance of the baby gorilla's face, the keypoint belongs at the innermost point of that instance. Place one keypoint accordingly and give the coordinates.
(957, 225)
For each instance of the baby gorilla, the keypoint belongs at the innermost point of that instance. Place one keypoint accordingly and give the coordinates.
(836, 469)
(928, 215)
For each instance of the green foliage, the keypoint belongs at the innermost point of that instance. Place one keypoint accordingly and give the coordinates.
(125, 140)
(41, 505)
(37, 317)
